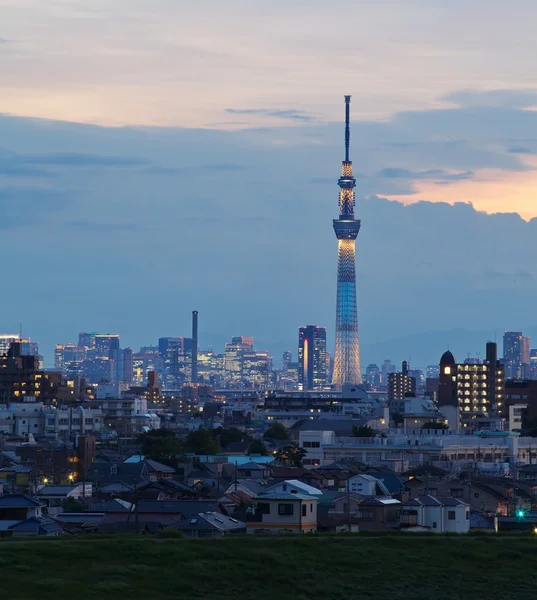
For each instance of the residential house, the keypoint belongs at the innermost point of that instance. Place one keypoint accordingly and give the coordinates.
(16, 508)
(378, 513)
(486, 495)
(53, 496)
(283, 512)
(36, 526)
(439, 515)
(209, 525)
(16, 477)
(252, 470)
(250, 487)
(84, 522)
(367, 485)
(294, 486)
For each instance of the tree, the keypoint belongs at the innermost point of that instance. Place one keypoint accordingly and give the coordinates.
(73, 505)
(201, 442)
(397, 419)
(229, 434)
(434, 425)
(276, 431)
(363, 431)
(161, 445)
(291, 456)
(257, 447)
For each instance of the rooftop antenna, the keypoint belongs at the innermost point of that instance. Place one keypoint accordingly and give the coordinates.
(347, 127)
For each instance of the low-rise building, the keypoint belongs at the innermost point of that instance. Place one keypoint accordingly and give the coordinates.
(283, 512)
(439, 515)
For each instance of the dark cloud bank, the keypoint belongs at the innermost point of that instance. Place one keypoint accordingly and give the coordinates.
(238, 225)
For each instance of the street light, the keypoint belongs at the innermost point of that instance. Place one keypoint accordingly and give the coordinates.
(45, 480)
(71, 477)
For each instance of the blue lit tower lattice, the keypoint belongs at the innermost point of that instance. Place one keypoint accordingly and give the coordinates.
(347, 368)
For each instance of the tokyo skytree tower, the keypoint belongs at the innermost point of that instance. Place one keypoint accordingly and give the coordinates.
(347, 353)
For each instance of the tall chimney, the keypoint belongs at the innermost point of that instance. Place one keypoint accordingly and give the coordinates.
(194, 378)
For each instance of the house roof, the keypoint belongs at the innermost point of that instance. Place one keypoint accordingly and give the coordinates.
(42, 524)
(210, 520)
(114, 505)
(255, 486)
(105, 473)
(90, 518)
(18, 501)
(250, 466)
(16, 469)
(303, 487)
(283, 496)
(154, 465)
(434, 501)
(56, 490)
(391, 480)
(379, 501)
(184, 507)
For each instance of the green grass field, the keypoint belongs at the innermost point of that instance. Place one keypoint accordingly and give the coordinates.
(309, 568)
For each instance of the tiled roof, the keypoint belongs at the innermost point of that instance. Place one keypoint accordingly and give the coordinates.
(157, 466)
(283, 496)
(184, 507)
(18, 501)
(210, 520)
(16, 469)
(92, 518)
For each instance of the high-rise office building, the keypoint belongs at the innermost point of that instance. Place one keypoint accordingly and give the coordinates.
(312, 373)
(256, 367)
(126, 372)
(286, 359)
(373, 376)
(234, 358)
(67, 359)
(6, 339)
(347, 368)
(516, 354)
(533, 363)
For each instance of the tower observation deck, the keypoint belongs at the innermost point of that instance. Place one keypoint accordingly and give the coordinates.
(347, 369)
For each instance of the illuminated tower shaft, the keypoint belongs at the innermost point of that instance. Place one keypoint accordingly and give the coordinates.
(347, 354)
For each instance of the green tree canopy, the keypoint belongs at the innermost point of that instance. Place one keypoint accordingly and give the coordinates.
(201, 441)
(276, 431)
(291, 456)
(434, 425)
(161, 445)
(363, 431)
(225, 435)
(257, 447)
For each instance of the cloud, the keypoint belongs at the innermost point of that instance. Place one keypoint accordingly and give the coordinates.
(22, 207)
(194, 169)
(75, 159)
(14, 170)
(87, 225)
(493, 98)
(434, 174)
(520, 150)
(290, 114)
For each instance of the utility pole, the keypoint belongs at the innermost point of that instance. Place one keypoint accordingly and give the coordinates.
(349, 502)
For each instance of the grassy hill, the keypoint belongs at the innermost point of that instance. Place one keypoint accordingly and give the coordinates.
(310, 568)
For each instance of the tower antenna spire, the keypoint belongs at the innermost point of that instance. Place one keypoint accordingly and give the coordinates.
(347, 127)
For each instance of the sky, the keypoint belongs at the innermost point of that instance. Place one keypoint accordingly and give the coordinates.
(159, 156)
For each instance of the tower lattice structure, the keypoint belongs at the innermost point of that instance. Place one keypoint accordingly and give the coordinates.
(347, 369)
